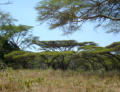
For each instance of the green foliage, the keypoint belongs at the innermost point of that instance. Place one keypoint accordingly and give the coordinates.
(88, 60)
(71, 14)
(34, 60)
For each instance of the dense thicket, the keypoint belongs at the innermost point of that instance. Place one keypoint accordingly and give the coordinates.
(87, 58)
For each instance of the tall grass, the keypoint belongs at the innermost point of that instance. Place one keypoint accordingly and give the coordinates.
(57, 81)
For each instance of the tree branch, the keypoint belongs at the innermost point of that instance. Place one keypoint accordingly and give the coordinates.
(101, 16)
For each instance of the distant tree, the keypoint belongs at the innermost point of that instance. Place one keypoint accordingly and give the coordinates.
(60, 45)
(71, 14)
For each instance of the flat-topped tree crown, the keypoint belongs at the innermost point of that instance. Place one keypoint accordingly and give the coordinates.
(60, 45)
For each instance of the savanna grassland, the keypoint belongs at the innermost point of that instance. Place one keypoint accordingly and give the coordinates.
(57, 81)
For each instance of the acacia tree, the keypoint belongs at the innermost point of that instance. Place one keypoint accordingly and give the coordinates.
(16, 35)
(13, 37)
(60, 45)
(71, 14)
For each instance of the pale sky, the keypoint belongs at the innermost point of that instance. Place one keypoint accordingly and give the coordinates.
(24, 11)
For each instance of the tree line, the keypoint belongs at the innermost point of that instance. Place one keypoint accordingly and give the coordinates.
(88, 57)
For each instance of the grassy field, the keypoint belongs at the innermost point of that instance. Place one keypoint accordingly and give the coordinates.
(57, 81)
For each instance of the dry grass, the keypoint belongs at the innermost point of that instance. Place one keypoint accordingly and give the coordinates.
(57, 81)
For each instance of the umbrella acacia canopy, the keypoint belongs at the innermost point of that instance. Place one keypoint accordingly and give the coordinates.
(60, 45)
